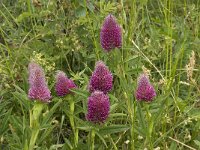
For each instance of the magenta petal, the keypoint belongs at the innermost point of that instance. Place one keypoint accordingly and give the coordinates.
(63, 84)
(98, 107)
(38, 87)
(39, 93)
(101, 78)
(145, 91)
(111, 34)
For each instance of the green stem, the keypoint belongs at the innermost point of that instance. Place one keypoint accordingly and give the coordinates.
(76, 136)
(71, 118)
(132, 132)
(92, 137)
(150, 127)
(131, 114)
(34, 123)
(133, 126)
(34, 136)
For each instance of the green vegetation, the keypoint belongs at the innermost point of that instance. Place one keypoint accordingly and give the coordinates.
(160, 37)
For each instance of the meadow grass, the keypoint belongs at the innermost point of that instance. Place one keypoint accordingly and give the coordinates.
(160, 37)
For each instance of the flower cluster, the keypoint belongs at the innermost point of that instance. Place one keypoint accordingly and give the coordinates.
(100, 84)
(38, 87)
(63, 84)
(145, 91)
(101, 78)
(111, 34)
(98, 107)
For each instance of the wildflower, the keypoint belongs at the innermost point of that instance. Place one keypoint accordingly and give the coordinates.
(145, 91)
(34, 69)
(110, 35)
(63, 84)
(98, 107)
(38, 87)
(101, 78)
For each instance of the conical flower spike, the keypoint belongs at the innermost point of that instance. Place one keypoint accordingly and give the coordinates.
(145, 91)
(98, 107)
(63, 84)
(38, 87)
(101, 78)
(111, 34)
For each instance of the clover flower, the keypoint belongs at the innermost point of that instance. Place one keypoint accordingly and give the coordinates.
(145, 91)
(110, 34)
(98, 107)
(101, 78)
(38, 87)
(63, 84)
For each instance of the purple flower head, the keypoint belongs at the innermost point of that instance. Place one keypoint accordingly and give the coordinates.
(63, 84)
(145, 91)
(111, 34)
(101, 78)
(38, 87)
(36, 74)
(98, 107)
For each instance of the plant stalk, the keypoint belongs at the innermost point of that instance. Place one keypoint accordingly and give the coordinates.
(150, 127)
(92, 137)
(71, 118)
(34, 123)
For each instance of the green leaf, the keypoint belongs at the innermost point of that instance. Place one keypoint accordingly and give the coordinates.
(102, 139)
(45, 133)
(4, 122)
(56, 146)
(80, 12)
(23, 16)
(90, 6)
(50, 113)
(67, 143)
(141, 117)
(113, 129)
(16, 123)
(22, 99)
(173, 146)
(85, 128)
(80, 92)
(113, 107)
(197, 143)
(117, 115)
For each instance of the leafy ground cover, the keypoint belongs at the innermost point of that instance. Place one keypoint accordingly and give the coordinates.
(160, 38)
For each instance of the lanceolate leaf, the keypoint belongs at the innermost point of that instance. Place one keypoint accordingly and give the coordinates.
(113, 129)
